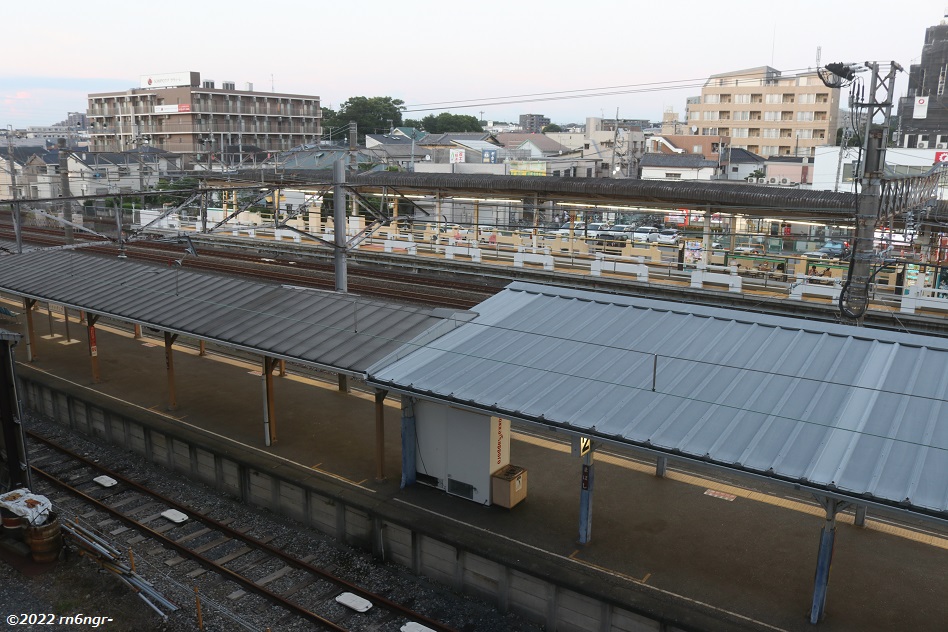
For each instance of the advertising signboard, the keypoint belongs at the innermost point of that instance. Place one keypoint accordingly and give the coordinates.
(170, 80)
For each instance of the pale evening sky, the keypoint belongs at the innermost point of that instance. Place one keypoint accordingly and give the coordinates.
(638, 57)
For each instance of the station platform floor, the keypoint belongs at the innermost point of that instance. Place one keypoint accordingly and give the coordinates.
(701, 539)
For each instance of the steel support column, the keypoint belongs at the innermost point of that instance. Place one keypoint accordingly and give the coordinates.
(93, 346)
(824, 558)
(586, 497)
(343, 383)
(169, 366)
(380, 434)
(409, 442)
(28, 304)
(269, 410)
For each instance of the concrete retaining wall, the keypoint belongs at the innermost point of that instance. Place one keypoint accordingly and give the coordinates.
(544, 600)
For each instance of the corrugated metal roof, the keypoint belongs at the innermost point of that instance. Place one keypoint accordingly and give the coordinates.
(855, 411)
(341, 332)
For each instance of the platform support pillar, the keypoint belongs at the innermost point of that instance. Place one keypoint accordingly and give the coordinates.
(91, 320)
(661, 466)
(282, 368)
(380, 434)
(824, 558)
(66, 321)
(586, 497)
(409, 442)
(169, 365)
(343, 383)
(202, 348)
(861, 511)
(269, 411)
(28, 304)
(138, 331)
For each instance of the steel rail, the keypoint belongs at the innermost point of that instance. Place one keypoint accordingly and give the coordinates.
(233, 533)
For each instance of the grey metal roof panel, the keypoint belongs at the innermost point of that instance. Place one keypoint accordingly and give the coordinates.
(338, 331)
(853, 410)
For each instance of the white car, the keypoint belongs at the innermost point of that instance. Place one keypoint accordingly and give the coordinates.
(748, 250)
(669, 236)
(645, 233)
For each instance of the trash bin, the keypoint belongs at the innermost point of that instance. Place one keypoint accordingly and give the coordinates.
(508, 486)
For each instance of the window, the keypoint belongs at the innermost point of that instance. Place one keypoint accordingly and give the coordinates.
(739, 132)
(741, 115)
(941, 79)
(712, 98)
(773, 98)
(805, 133)
(672, 176)
(694, 116)
(710, 116)
(771, 116)
(589, 172)
(768, 150)
(742, 98)
(804, 116)
(807, 98)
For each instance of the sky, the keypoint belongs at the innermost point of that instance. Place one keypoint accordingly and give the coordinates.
(492, 59)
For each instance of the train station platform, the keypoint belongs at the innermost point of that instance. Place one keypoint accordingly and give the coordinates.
(696, 549)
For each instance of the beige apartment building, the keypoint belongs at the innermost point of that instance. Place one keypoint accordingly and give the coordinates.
(178, 112)
(767, 113)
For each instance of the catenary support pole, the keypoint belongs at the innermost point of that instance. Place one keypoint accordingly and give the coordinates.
(339, 223)
(409, 443)
(28, 304)
(93, 346)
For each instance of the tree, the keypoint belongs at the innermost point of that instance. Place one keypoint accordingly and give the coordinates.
(553, 127)
(447, 122)
(372, 114)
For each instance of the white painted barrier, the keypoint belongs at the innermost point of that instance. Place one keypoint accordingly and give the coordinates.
(250, 232)
(804, 285)
(280, 233)
(606, 263)
(521, 258)
(705, 274)
(389, 245)
(918, 297)
(467, 251)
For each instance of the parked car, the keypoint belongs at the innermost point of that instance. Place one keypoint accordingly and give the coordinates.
(595, 230)
(577, 228)
(748, 250)
(646, 233)
(836, 249)
(669, 236)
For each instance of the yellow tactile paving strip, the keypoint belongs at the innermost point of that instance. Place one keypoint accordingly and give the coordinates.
(794, 505)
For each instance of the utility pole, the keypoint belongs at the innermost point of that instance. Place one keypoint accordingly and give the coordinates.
(17, 231)
(64, 187)
(854, 299)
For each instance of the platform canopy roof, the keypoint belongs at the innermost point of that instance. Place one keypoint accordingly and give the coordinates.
(343, 333)
(847, 411)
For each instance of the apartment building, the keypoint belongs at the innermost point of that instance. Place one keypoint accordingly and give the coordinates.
(533, 123)
(923, 114)
(767, 113)
(180, 113)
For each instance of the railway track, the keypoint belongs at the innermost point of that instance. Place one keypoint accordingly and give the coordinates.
(228, 559)
(415, 289)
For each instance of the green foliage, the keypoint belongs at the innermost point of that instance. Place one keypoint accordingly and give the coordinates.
(372, 114)
(446, 122)
(553, 127)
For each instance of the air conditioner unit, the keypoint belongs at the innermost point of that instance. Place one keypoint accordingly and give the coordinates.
(921, 145)
(773, 181)
(940, 146)
(762, 180)
(783, 181)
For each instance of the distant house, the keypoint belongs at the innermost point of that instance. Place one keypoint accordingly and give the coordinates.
(677, 167)
(789, 170)
(538, 145)
(739, 164)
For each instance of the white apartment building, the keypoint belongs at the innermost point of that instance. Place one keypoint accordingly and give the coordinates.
(767, 113)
